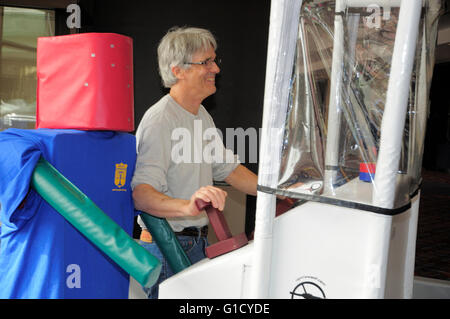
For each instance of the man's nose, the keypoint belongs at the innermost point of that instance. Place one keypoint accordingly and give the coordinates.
(215, 68)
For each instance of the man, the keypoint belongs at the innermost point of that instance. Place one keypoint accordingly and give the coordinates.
(163, 185)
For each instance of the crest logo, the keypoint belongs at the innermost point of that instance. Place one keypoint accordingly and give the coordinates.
(308, 288)
(120, 176)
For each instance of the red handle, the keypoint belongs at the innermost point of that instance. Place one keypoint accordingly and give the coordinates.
(201, 204)
(216, 219)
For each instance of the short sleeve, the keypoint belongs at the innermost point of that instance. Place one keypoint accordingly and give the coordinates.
(225, 161)
(153, 154)
(222, 169)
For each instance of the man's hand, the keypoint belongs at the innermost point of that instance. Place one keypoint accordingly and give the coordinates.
(209, 194)
(149, 200)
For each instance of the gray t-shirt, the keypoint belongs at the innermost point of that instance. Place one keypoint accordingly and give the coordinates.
(179, 152)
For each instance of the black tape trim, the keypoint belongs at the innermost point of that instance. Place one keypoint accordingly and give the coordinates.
(414, 194)
(337, 202)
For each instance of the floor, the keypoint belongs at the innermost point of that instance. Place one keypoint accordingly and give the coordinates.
(433, 230)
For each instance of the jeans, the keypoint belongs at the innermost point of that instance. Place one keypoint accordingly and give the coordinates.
(194, 248)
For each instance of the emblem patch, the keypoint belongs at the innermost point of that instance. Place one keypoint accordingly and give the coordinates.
(120, 176)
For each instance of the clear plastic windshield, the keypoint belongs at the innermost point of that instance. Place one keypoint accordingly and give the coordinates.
(337, 99)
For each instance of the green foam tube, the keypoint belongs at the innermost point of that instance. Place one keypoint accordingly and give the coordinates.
(94, 224)
(167, 242)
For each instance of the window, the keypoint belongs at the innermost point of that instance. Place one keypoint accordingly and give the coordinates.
(19, 30)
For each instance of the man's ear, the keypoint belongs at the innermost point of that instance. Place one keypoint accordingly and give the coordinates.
(178, 72)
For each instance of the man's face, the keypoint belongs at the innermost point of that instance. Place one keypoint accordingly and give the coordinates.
(200, 79)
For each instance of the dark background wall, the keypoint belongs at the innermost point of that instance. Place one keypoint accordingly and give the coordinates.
(241, 29)
(437, 141)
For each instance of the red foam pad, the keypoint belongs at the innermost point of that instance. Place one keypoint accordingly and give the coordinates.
(85, 81)
(218, 222)
(227, 245)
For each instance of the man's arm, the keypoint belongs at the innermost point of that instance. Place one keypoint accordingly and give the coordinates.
(149, 200)
(243, 179)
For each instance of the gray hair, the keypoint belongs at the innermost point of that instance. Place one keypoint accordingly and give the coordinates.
(178, 46)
